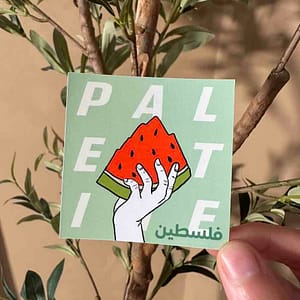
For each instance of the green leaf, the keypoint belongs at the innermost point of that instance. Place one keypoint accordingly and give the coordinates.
(190, 36)
(117, 58)
(54, 279)
(203, 258)
(55, 222)
(169, 58)
(53, 167)
(258, 217)
(10, 27)
(63, 96)
(32, 288)
(47, 51)
(38, 160)
(9, 294)
(45, 137)
(186, 3)
(162, 12)
(27, 183)
(120, 254)
(31, 218)
(6, 181)
(62, 51)
(55, 146)
(12, 168)
(64, 248)
(105, 4)
(190, 268)
(108, 42)
(26, 204)
(45, 208)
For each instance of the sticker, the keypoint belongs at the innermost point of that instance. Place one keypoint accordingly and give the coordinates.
(148, 160)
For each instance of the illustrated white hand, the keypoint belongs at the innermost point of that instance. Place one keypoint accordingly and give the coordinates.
(128, 214)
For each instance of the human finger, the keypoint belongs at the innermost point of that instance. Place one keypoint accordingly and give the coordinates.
(274, 242)
(246, 275)
(147, 182)
(171, 180)
(134, 187)
(161, 189)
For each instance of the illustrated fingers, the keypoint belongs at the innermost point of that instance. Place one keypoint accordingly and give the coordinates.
(134, 187)
(171, 179)
(147, 182)
(161, 189)
(119, 203)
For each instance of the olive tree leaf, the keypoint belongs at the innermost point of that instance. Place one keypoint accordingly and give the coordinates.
(63, 96)
(105, 4)
(62, 51)
(117, 58)
(10, 26)
(45, 208)
(31, 218)
(203, 258)
(33, 288)
(54, 279)
(6, 181)
(184, 4)
(171, 55)
(120, 254)
(191, 36)
(38, 160)
(9, 294)
(28, 183)
(108, 41)
(46, 50)
(64, 248)
(190, 268)
(55, 223)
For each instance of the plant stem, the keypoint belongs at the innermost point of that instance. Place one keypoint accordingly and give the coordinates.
(54, 24)
(88, 33)
(83, 261)
(267, 185)
(265, 96)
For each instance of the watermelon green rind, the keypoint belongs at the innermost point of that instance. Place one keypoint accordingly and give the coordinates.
(122, 191)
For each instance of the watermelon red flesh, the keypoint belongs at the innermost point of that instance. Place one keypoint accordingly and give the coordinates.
(149, 142)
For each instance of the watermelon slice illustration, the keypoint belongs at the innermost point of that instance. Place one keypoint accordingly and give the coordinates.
(150, 141)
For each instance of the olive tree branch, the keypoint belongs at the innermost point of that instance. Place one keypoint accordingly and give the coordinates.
(141, 253)
(276, 80)
(53, 23)
(88, 33)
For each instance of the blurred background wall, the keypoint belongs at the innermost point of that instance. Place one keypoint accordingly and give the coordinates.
(249, 41)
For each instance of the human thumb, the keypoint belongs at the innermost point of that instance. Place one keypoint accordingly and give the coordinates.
(246, 275)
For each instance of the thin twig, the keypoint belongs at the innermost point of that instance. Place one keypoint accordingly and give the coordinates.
(289, 50)
(264, 186)
(83, 261)
(54, 24)
(88, 33)
(265, 96)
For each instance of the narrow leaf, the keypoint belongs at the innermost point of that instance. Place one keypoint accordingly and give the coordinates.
(38, 160)
(117, 58)
(108, 42)
(203, 258)
(26, 204)
(12, 168)
(47, 51)
(105, 4)
(6, 181)
(169, 59)
(31, 218)
(33, 288)
(9, 294)
(45, 137)
(54, 279)
(63, 96)
(62, 51)
(27, 183)
(66, 249)
(45, 208)
(119, 253)
(10, 27)
(55, 223)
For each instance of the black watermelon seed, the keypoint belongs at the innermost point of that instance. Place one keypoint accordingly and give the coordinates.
(172, 146)
(153, 152)
(141, 137)
(131, 153)
(120, 166)
(133, 174)
(170, 159)
(155, 132)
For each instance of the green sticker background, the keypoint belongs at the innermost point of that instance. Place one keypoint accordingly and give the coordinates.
(113, 121)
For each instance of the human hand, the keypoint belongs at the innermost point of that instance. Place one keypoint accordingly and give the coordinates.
(242, 263)
(128, 214)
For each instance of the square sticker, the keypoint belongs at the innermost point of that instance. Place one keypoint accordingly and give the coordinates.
(148, 160)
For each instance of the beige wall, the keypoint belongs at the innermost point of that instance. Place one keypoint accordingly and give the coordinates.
(248, 43)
